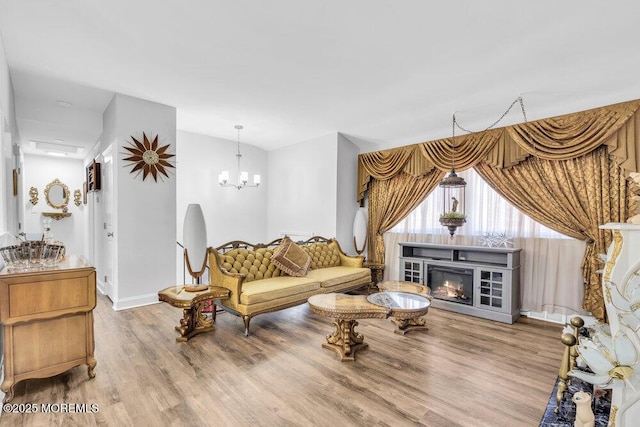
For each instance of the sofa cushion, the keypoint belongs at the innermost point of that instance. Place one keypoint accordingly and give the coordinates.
(332, 276)
(253, 264)
(276, 288)
(291, 258)
(323, 255)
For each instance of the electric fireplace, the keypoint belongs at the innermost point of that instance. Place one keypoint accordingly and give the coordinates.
(451, 283)
(474, 280)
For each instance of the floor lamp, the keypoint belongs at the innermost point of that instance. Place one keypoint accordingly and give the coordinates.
(194, 234)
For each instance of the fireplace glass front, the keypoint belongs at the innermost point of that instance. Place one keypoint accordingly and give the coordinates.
(451, 283)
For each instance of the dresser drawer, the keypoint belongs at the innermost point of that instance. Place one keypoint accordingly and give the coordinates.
(47, 296)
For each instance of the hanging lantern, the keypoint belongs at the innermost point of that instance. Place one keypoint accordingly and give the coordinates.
(453, 192)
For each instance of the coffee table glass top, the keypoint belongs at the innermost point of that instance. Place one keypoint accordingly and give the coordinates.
(399, 300)
(343, 303)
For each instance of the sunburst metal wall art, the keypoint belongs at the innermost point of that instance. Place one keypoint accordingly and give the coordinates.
(147, 157)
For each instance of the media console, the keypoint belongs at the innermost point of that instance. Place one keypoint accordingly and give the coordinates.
(475, 280)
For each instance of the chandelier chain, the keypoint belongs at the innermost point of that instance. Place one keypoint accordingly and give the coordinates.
(517, 100)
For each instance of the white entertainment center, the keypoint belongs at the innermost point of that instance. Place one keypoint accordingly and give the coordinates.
(475, 280)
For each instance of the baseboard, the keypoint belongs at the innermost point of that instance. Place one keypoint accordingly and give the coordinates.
(137, 301)
(102, 288)
(562, 319)
(474, 311)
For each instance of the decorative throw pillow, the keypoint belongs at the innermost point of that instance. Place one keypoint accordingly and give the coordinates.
(291, 258)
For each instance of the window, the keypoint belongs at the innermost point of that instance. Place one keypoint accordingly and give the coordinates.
(550, 274)
(487, 212)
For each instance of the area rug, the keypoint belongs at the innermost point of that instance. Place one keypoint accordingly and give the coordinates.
(601, 405)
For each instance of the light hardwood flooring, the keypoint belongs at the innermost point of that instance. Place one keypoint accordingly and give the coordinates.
(463, 371)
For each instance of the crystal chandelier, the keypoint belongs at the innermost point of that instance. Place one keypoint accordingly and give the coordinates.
(243, 177)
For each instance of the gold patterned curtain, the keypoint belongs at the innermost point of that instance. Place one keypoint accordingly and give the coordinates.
(557, 139)
(573, 197)
(390, 201)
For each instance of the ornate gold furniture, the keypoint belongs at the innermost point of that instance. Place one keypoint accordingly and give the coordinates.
(377, 271)
(405, 325)
(347, 308)
(257, 286)
(47, 320)
(194, 321)
(612, 351)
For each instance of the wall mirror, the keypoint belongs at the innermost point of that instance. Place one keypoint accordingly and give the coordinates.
(57, 194)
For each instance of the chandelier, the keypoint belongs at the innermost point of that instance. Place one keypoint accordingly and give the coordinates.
(243, 177)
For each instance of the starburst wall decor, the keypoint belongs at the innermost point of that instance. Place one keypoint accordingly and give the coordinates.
(147, 157)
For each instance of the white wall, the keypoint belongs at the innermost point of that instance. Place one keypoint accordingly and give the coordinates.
(6, 89)
(302, 188)
(230, 214)
(9, 136)
(145, 211)
(38, 171)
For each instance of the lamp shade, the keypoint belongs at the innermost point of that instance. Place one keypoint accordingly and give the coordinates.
(194, 234)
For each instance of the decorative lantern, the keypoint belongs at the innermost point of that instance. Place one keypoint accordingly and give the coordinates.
(453, 192)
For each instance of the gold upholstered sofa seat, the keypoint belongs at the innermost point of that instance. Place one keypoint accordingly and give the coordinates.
(339, 276)
(276, 288)
(256, 278)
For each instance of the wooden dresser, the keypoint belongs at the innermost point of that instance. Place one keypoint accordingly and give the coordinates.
(47, 321)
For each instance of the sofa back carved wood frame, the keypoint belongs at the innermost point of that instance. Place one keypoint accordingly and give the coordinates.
(258, 286)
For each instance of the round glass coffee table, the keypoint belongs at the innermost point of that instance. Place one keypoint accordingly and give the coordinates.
(345, 309)
(407, 309)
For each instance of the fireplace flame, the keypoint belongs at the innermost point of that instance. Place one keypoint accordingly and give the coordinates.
(454, 291)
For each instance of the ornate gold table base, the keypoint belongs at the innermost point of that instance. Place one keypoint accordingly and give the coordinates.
(407, 325)
(404, 325)
(345, 309)
(345, 340)
(194, 321)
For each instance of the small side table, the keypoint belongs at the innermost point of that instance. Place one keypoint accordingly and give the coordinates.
(377, 273)
(194, 321)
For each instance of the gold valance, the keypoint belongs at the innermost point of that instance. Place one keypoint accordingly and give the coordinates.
(557, 138)
(464, 151)
(382, 165)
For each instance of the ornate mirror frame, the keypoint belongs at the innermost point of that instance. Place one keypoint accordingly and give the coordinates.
(65, 194)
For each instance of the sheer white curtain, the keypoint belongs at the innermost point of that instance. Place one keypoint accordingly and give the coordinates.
(550, 274)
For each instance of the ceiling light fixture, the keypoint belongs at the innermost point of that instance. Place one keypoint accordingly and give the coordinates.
(453, 186)
(62, 148)
(55, 154)
(453, 194)
(243, 177)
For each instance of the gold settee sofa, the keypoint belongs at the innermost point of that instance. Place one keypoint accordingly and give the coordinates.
(258, 286)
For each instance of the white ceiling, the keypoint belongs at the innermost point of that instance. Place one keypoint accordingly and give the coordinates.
(384, 73)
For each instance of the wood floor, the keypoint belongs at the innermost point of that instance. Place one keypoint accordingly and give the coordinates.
(463, 371)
